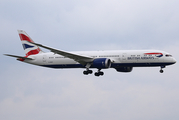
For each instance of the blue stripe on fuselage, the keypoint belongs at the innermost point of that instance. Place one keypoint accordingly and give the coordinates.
(113, 65)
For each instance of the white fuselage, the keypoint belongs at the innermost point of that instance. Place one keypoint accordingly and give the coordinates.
(119, 58)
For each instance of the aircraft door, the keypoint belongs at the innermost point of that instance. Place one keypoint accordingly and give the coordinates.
(44, 59)
(124, 57)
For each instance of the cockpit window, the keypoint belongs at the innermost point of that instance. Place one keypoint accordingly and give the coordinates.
(167, 55)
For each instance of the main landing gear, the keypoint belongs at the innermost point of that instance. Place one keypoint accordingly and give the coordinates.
(86, 72)
(161, 71)
(99, 73)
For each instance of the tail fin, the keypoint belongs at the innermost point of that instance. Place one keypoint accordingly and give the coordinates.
(30, 49)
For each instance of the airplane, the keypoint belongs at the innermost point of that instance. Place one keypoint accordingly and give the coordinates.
(121, 60)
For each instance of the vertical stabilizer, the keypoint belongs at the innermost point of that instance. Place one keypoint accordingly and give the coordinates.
(30, 49)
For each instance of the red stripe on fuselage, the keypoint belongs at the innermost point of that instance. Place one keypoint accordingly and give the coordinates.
(153, 53)
(24, 37)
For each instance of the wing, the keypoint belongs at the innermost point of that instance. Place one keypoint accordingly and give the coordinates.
(18, 57)
(82, 59)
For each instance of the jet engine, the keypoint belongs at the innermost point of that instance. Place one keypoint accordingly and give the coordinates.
(101, 63)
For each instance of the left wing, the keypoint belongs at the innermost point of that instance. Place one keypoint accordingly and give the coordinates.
(82, 59)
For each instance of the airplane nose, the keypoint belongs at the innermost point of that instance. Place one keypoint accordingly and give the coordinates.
(174, 61)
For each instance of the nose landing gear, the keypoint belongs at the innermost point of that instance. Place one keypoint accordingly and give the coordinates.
(161, 71)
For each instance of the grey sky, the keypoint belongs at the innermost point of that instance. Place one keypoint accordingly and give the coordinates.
(32, 93)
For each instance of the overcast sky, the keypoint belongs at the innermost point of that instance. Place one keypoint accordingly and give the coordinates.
(29, 92)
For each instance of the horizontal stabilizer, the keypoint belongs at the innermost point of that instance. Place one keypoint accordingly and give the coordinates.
(19, 57)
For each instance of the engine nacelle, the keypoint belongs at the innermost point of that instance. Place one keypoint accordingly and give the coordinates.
(101, 63)
(124, 69)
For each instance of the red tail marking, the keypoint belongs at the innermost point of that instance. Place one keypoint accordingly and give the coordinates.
(24, 37)
(33, 52)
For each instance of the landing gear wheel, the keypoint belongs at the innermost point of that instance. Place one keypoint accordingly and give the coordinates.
(96, 74)
(87, 72)
(99, 73)
(161, 71)
(90, 71)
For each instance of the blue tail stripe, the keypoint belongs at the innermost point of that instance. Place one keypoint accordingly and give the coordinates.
(25, 46)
